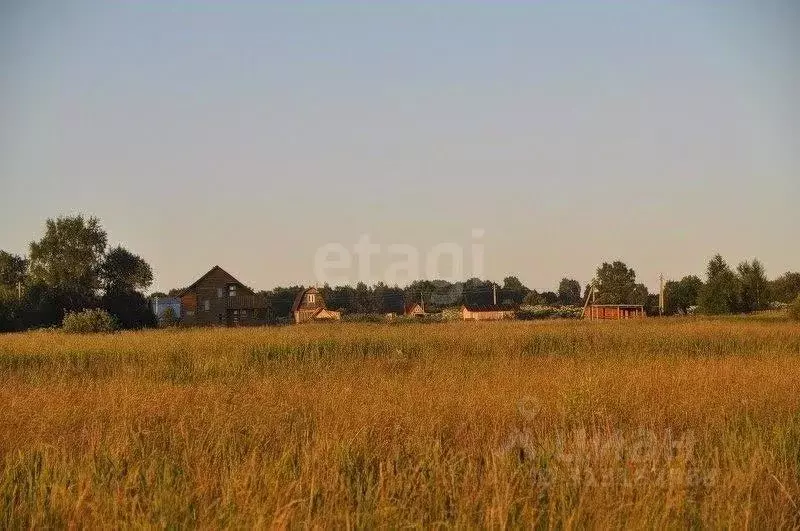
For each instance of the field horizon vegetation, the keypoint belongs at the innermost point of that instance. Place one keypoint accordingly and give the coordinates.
(688, 421)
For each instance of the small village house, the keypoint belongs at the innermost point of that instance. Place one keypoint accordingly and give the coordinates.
(491, 312)
(414, 309)
(613, 311)
(310, 306)
(217, 298)
(592, 310)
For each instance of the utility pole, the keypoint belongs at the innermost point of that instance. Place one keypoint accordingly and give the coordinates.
(494, 294)
(422, 302)
(661, 295)
(19, 290)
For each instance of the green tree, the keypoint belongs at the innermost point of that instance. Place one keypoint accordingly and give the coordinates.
(639, 295)
(363, 299)
(785, 288)
(68, 259)
(681, 295)
(13, 269)
(513, 290)
(569, 292)
(124, 271)
(549, 298)
(720, 294)
(616, 283)
(533, 298)
(753, 286)
(124, 276)
(478, 292)
(794, 309)
(280, 300)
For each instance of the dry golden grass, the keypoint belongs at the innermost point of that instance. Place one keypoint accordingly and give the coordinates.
(555, 424)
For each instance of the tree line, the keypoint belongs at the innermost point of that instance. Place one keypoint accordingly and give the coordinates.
(71, 269)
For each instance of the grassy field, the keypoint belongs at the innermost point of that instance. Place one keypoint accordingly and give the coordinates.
(555, 424)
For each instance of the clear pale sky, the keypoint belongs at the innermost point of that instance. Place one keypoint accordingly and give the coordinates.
(248, 136)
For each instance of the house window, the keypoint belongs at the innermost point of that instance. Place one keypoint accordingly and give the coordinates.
(244, 314)
(220, 293)
(231, 290)
(206, 305)
(310, 298)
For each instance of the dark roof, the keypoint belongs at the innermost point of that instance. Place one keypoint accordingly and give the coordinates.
(196, 282)
(299, 298)
(487, 308)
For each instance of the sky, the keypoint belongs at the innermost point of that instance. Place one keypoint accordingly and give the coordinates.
(552, 135)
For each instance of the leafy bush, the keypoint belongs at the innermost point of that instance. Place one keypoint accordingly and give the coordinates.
(451, 314)
(89, 321)
(794, 309)
(168, 318)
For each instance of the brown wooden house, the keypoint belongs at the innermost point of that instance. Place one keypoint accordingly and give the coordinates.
(613, 311)
(217, 298)
(310, 306)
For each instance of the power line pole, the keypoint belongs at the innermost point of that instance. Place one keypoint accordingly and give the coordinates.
(494, 294)
(661, 295)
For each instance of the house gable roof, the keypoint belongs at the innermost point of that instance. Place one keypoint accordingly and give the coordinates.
(298, 300)
(412, 307)
(209, 272)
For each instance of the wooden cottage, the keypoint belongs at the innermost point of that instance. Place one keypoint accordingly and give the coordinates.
(414, 309)
(310, 306)
(492, 312)
(613, 311)
(217, 298)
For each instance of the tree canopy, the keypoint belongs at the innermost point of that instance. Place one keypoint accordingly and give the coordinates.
(720, 294)
(616, 284)
(569, 291)
(682, 294)
(785, 288)
(13, 269)
(69, 258)
(753, 286)
(124, 271)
